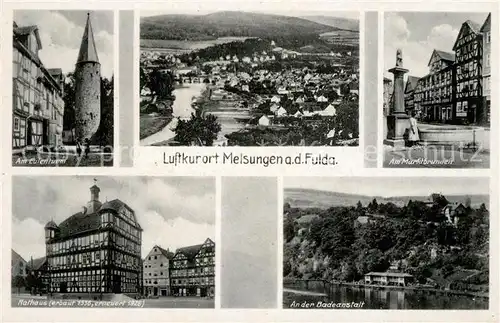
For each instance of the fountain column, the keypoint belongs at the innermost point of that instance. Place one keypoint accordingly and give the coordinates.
(398, 120)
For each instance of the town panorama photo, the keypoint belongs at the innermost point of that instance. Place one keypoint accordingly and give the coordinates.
(232, 78)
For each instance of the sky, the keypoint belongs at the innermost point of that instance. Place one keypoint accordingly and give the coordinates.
(249, 236)
(393, 186)
(173, 211)
(61, 34)
(418, 34)
(268, 8)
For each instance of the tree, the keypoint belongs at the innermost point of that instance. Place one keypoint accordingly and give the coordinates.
(18, 282)
(161, 83)
(373, 206)
(143, 80)
(289, 229)
(197, 131)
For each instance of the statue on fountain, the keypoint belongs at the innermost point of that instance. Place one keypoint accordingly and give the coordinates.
(399, 58)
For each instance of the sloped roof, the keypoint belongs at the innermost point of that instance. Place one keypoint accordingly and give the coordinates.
(411, 82)
(474, 26)
(447, 56)
(88, 51)
(487, 24)
(16, 257)
(37, 263)
(55, 71)
(79, 222)
(166, 253)
(26, 30)
(190, 252)
(51, 225)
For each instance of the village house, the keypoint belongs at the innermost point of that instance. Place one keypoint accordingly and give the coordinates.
(156, 277)
(264, 121)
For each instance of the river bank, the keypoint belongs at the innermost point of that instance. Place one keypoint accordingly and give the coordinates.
(378, 297)
(182, 108)
(417, 289)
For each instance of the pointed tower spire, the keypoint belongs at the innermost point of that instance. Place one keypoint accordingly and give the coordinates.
(88, 51)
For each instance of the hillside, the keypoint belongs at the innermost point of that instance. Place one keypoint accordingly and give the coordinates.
(341, 23)
(228, 24)
(308, 198)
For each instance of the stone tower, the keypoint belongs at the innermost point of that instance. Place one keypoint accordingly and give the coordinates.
(87, 87)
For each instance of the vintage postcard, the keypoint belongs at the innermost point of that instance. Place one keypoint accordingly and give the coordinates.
(62, 74)
(437, 89)
(236, 78)
(112, 242)
(415, 243)
(249, 161)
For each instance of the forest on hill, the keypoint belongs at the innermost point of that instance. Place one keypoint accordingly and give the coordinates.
(228, 24)
(343, 243)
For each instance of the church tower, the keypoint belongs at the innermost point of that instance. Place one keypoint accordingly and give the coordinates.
(87, 87)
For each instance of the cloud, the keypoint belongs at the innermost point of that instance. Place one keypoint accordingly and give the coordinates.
(173, 212)
(28, 238)
(416, 52)
(61, 40)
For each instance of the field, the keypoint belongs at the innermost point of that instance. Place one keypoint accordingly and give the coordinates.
(304, 198)
(187, 45)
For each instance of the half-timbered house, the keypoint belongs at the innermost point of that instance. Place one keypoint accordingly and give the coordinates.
(95, 251)
(469, 55)
(37, 103)
(193, 270)
(433, 94)
(486, 32)
(411, 84)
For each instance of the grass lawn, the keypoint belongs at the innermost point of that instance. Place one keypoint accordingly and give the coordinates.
(32, 159)
(151, 125)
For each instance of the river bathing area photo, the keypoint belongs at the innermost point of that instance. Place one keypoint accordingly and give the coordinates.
(413, 243)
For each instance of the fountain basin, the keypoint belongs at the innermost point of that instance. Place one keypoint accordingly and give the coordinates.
(460, 136)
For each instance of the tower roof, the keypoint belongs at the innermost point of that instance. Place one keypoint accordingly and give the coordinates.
(51, 225)
(88, 51)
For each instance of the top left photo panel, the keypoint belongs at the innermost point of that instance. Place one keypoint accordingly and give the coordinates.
(62, 88)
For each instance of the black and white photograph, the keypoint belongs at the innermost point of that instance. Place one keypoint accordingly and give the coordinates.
(121, 241)
(414, 243)
(62, 109)
(249, 249)
(436, 89)
(239, 78)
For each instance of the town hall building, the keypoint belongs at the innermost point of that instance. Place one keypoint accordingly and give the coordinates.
(95, 251)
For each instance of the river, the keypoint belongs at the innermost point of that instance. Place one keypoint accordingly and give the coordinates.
(382, 298)
(182, 108)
